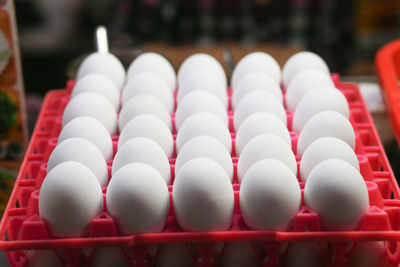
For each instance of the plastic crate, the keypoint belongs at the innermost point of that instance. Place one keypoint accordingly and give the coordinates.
(22, 229)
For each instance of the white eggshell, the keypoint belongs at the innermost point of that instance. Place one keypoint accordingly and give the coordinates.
(91, 105)
(147, 125)
(42, 257)
(83, 151)
(326, 123)
(369, 254)
(147, 83)
(258, 101)
(260, 123)
(265, 146)
(299, 62)
(70, 197)
(174, 255)
(317, 101)
(109, 256)
(100, 84)
(145, 150)
(155, 63)
(199, 101)
(304, 82)
(256, 81)
(91, 130)
(338, 193)
(270, 195)
(326, 148)
(106, 64)
(256, 62)
(203, 123)
(203, 196)
(206, 147)
(137, 196)
(239, 254)
(304, 254)
(203, 79)
(200, 61)
(143, 104)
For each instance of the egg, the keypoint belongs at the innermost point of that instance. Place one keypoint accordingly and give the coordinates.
(143, 104)
(299, 62)
(147, 125)
(304, 254)
(147, 83)
(265, 146)
(204, 123)
(91, 130)
(258, 101)
(174, 255)
(256, 81)
(326, 148)
(239, 254)
(145, 150)
(42, 257)
(154, 63)
(201, 61)
(100, 84)
(199, 101)
(109, 256)
(138, 198)
(304, 82)
(203, 79)
(370, 254)
(260, 123)
(256, 62)
(82, 151)
(103, 63)
(338, 193)
(270, 195)
(323, 124)
(207, 147)
(91, 105)
(70, 197)
(317, 101)
(203, 196)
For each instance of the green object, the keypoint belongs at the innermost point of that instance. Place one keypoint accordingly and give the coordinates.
(5, 55)
(8, 112)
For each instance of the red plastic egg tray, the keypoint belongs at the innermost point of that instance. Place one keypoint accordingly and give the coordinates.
(22, 229)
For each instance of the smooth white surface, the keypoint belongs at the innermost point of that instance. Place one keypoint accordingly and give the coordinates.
(109, 256)
(83, 151)
(369, 254)
(42, 257)
(138, 198)
(174, 255)
(338, 193)
(203, 196)
(145, 150)
(70, 197)
(239, 254)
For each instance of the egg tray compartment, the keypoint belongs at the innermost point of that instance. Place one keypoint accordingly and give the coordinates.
(22, 229)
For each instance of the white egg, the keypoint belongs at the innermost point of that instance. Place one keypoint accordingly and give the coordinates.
(338, 193)
(138, 198)
(100, 84)
(326, 123)
(199, 101)
(147, 125)
(155, 63)
(369, 254)
(174, 255)
(258, 101)
(304, 82)
(91, 105)
(109, 256)
(260, 123)
(239, 254)
(317, 101)
(70, 197)
(145, 150)
(203, 79)
(91, 130)
(82, 151)
(42, 257)
(143, 104)
(203, 123)
(206, 147)
(256, 62)
(255, 81)
(147, 83)
(265, 146)
(203, 196)
(106, 64)
(326, 148)
(304, 254)
(270, 195)
(299, 62)
(201, 61)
